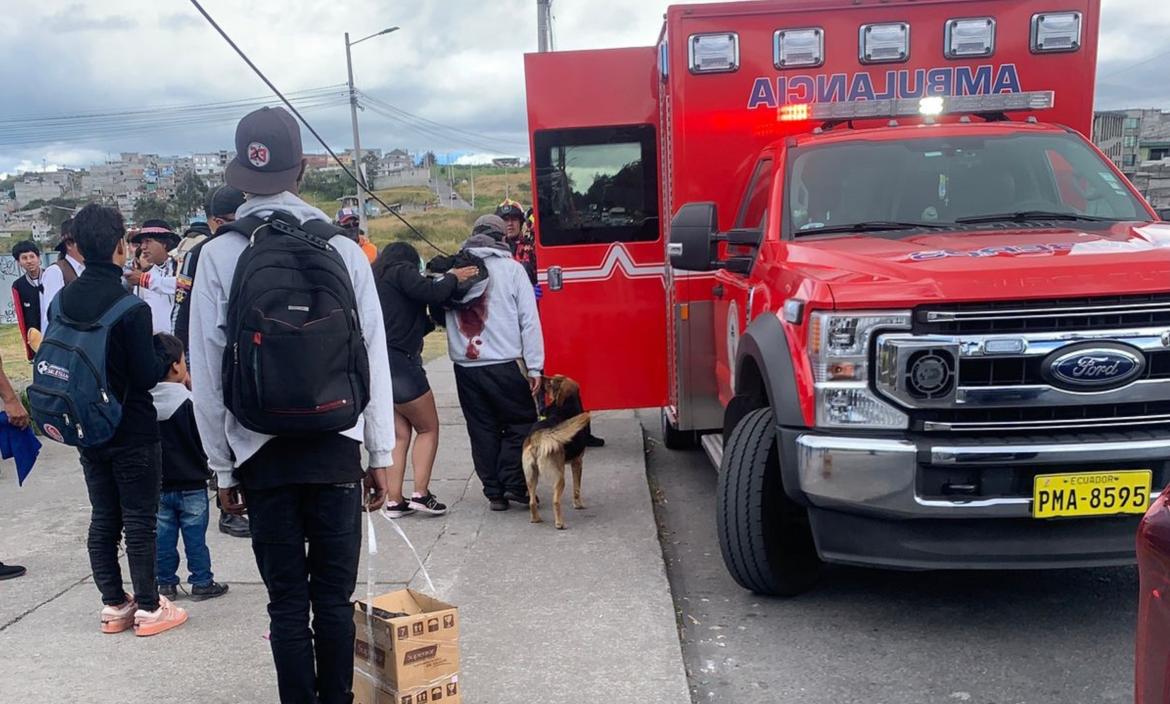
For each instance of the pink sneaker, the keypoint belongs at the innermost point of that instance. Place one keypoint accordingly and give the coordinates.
(166, 617)
(116, 619)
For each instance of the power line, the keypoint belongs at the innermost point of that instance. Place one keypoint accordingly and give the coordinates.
(1133, 66)
(431, 132)
(47, 129)
(479, 136)
(360, 183)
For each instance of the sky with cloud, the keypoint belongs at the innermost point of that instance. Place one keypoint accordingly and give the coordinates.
(454, 62)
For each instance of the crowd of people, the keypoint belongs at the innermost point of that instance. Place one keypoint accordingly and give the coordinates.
(286, 469)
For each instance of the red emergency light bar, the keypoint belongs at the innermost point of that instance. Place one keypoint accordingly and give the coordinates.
(928, 106)
(794, 112)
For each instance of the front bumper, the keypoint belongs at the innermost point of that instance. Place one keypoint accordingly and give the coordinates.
(867, 504)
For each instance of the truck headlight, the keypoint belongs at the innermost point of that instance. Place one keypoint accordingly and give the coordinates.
(839, 345)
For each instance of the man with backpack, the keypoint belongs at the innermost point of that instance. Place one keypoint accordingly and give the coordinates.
(291, 301)
(91, 389)
(62, 272)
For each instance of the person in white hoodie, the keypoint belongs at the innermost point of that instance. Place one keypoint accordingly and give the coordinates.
(296, 489)
(495, 340)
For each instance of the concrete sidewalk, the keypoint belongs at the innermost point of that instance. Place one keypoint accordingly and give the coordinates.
(580, 615)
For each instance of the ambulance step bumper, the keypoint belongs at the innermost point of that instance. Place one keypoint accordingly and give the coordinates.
(867, 507)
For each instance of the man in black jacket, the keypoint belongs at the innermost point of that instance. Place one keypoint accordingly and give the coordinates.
(122, 476)
(182, 508)
(221, 207)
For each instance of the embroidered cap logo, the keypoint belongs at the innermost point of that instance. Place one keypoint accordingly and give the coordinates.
(258, 155)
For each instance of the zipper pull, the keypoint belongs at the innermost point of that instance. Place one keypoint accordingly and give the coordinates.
(236, 352)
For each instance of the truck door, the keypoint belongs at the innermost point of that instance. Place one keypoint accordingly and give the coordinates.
(733, 291)
(601, 257)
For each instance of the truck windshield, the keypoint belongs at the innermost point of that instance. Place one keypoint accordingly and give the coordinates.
(930, 182)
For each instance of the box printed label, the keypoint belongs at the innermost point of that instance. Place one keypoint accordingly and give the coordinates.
(417, 656)
(362, 650)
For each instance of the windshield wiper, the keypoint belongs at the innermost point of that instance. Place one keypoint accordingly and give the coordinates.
(1026, 215)
(877, 226)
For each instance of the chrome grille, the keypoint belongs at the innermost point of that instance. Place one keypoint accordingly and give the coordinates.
(1007, 371)
(1063, 315)
(1000, 385)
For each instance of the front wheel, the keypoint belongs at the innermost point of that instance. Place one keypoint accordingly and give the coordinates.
(764, 536)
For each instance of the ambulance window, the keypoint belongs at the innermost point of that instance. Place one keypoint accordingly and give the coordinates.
(597, 185)
(755, 206)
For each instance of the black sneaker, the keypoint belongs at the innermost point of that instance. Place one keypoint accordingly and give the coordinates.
(208, 591)
(498, 504)
(170, 591)
(235, 526)
(428, 504)
(594, 441)
(516, 498)
(400, 509)
(11, 571)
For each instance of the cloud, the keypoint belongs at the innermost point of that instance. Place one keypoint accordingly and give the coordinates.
(455, 62)
(180, 22)
(74, 18)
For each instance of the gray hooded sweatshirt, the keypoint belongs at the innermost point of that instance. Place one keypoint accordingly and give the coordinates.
(223, 436)
(502, 325)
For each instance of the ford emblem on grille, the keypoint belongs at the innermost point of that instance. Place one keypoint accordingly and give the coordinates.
(1094, 366)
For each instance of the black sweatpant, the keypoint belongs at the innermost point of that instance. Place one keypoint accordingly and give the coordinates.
(313, 666)
(123, 485)
(499, 410)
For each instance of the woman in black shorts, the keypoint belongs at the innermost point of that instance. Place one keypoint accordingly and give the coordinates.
(405, 293)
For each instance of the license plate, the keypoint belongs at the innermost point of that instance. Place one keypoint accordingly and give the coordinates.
(1091, 494)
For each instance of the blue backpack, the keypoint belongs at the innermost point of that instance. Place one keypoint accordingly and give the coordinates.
(70, 398)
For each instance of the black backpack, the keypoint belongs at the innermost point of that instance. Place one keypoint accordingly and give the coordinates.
(295, 361)
(70, 397)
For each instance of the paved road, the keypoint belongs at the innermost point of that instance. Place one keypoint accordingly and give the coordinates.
(876, 637)
(443, 190)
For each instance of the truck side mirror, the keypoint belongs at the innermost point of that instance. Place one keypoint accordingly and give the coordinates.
(693, 233)
(1164, 213)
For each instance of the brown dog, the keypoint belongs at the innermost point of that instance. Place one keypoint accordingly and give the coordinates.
(556, 439)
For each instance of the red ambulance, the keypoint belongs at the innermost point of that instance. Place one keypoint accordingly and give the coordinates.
(864, 254)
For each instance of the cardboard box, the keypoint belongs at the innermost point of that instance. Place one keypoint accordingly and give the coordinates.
(410, 659)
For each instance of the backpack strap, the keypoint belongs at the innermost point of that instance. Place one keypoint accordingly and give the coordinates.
(68, 273)
(247, 226)
(120, 308)
(112, 315)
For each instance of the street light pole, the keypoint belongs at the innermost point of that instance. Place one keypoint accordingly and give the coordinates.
(357, 144)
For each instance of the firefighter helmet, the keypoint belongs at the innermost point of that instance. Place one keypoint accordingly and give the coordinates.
(510, 209)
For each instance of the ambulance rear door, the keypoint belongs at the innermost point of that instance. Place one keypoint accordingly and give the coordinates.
(593, 122)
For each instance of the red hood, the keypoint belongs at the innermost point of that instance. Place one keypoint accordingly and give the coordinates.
(989, 264)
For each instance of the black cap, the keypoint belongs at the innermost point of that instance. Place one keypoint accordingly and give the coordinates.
(66, 236)
(268, 153)
(223, 202)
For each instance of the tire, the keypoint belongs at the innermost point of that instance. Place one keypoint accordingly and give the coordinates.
(675, 439)
(764, 536)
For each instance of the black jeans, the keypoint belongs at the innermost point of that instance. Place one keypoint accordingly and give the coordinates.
(499, 410)
(311, 665)
(123, 484)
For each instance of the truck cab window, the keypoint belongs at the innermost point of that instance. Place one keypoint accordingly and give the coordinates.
(597, 185)
(950, 179)
(755, 205)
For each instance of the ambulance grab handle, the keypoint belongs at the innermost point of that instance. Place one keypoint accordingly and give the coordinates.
(556, 278)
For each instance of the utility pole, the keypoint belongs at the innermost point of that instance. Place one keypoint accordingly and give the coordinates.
(357, 144)
(544, 24)
(472, 167)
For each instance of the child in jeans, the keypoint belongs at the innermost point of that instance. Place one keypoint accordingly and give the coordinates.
(182, 507)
